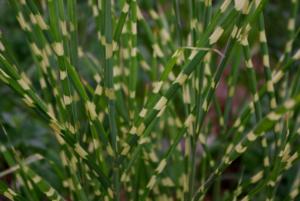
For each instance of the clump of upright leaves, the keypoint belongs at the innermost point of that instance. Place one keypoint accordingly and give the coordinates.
(129, 92)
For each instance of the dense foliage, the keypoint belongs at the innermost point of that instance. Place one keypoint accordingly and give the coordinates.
(149, 100)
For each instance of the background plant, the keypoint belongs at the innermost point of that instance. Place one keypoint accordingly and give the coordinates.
(149, 100)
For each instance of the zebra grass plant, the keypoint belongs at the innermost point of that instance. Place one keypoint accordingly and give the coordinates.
(127, 92)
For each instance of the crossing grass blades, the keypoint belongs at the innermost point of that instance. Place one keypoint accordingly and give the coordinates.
(129, 95)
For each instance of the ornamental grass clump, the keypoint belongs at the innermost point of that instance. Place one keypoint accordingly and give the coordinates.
(149, 100)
